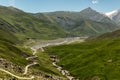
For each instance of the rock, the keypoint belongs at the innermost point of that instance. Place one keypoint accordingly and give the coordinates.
(110, 60)
(53, 56)
(95, 78)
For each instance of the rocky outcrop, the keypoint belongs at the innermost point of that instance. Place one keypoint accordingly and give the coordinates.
(10, 66)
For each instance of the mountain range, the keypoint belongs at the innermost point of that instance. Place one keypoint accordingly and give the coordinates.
(57, 24)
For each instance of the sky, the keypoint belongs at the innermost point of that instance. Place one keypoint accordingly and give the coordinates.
(35, 6)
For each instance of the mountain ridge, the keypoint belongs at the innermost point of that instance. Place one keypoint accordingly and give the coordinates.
(56, 24)
(69, 21)
(64, 23)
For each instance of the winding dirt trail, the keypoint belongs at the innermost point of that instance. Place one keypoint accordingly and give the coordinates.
(32, 57)
(24, 78)
(32, 64)
(26, 68)
(42, 49)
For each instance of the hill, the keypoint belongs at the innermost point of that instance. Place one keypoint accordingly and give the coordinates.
(92, 60)
(6, 31)
(13, 57)
(89, 28)
(109, 35)
(27, 26)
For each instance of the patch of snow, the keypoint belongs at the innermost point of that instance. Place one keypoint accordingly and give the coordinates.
(111, 14)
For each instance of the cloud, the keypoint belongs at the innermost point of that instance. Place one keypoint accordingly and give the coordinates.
(95, 1)
(11, 2)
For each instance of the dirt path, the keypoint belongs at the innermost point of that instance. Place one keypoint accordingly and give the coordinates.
(30, 78)
(26, 68)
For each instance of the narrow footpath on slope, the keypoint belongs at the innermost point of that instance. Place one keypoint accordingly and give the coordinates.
(29, 78)
(25, 71)
(26, 68)
(32, 64)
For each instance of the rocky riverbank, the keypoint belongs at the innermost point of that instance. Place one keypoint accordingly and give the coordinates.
(65, 73)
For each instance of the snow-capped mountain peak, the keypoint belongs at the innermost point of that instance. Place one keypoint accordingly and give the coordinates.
(111, 14)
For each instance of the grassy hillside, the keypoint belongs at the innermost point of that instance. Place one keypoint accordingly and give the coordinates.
(114, 34)
(6, 32)
(109, 35)
(93, 60)
(8, 50)
(8, 41)
(28, 26)
(86, 27)
(45, 65)
(13, 56)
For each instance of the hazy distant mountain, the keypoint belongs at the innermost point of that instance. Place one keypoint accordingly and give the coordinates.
(111, 14)
(87, 13)
(114, 15)
(88, 27)
(91, 14)
(86, 22)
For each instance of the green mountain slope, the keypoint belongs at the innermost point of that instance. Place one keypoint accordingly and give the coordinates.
(6, 32)
(88, 27)
(109, 35)
(7, 44)
(30, 27)
(92, 60)
(114, 34)
(13, 57)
